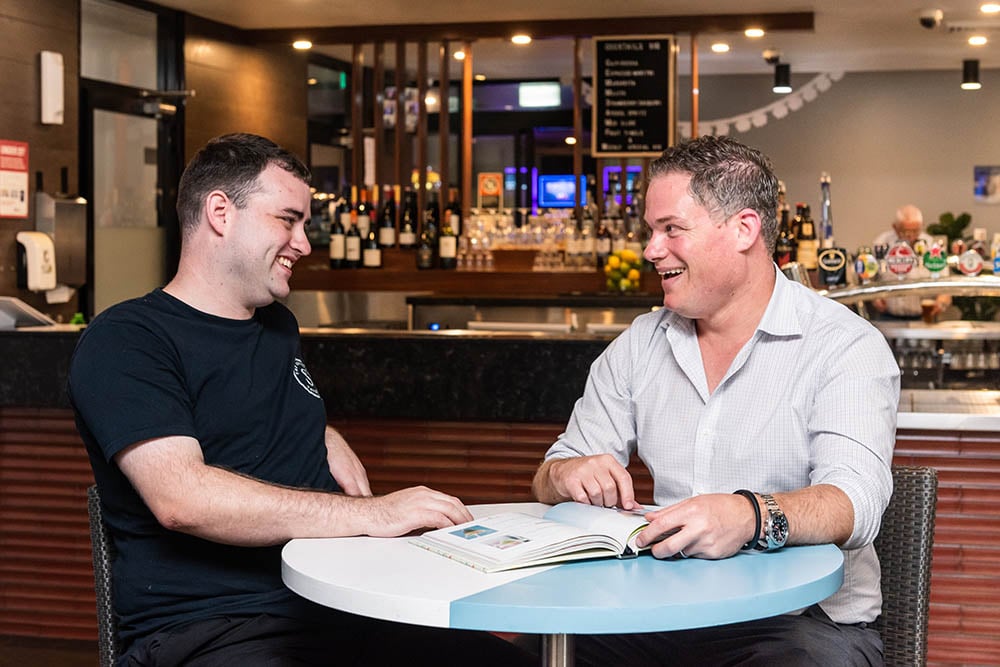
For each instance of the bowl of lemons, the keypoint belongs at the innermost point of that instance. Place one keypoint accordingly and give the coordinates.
(621, 271)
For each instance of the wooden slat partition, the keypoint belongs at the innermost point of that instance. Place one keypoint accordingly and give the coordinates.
(46, 585)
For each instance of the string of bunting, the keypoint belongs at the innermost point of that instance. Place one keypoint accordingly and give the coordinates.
(744, 122)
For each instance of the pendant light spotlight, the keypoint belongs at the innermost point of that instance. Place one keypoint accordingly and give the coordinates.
(782, 78)
(970, 75)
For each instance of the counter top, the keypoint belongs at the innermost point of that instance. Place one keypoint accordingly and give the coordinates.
(569, 300)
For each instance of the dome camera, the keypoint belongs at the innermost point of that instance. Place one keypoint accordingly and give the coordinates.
(931, 18)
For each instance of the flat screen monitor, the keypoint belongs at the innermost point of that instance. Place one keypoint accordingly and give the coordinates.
(558, 190)
(16, 313)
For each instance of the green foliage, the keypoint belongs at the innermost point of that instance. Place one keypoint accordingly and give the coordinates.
(951, 226)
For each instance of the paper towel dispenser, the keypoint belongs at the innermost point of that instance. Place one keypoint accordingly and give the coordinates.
(64, 219)
(36, 261)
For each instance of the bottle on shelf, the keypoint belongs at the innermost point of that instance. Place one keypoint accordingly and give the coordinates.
(371, 253)
(447, 245)
(825, 211)
(387, 220)
(808, 246)
(352, 247)
(453, 212)
(425, 250)
(602, 245)
(785, 246)
(409, 222)
(363, 213)
(337, 234)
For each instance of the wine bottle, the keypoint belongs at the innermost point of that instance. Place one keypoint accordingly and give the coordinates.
(371, 253)
(363, 213)
(808, 245)
(454, 212)
(352, 247)
(825, 211)
(337, 232)
(387, 221)
(447, 245)
(425, 250)
(785, 247)
(410, 221)
(602, 245)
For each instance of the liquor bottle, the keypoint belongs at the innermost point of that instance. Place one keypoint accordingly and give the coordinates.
(363, 212)
(371, 253)
(602, 245)
(410, 221)
(432, 220)
(825, 211)
(617, 235)
(808, 246)
(453, 212)
(387, 220)
(447, 246)
(425, 250)
(352, 247)
(785, 247)
(337, 232)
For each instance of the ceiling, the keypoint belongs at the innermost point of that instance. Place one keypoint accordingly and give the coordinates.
(849, 35)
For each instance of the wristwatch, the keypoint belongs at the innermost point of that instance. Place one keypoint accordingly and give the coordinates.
(775, 527)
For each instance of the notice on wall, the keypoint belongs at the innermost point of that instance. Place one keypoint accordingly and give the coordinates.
(13, 179)
(490, 195)
(632, 96)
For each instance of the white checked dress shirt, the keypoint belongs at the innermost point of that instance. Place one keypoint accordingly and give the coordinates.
(810, 399)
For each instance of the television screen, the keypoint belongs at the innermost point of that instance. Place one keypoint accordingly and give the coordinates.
(557, 190)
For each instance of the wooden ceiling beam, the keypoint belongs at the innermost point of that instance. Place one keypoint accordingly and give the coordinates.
(538, 29)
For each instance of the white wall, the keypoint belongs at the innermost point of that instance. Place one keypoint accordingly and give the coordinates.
(886, 138)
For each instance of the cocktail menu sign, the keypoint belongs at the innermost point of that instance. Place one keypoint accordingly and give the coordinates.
(633, 85)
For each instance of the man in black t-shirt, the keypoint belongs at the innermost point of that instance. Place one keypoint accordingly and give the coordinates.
(210, 448)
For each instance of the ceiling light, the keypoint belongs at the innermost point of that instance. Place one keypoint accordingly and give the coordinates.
(479, 77)
(312, 81)
(754, 32)
(521, 39)
(782, 78)
(990, 8)
(571, 140)
(978, 40)
(459, 55)
(302, 44)
(720, 47)
(970, 75)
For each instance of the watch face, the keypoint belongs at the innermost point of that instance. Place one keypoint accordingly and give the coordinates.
(778, 527)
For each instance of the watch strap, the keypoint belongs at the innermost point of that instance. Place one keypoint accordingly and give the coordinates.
(752, 499)
(774, 514)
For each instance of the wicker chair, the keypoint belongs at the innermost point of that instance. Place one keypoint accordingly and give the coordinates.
(904, 550)
(104, 554)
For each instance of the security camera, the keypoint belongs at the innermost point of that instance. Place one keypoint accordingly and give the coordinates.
(931, 18)
(771, 56)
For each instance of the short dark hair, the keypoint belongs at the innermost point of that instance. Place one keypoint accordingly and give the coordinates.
(231, 163)
(726, 177)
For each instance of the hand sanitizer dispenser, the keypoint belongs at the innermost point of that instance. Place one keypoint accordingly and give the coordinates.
(36, 261)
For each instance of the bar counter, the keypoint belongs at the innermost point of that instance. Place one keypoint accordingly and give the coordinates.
(470, 413)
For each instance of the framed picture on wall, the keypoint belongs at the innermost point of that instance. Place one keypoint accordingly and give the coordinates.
(986, 184)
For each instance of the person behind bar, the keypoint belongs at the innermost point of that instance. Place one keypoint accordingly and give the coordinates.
(909, 227)
(209, 444)
(764, 412)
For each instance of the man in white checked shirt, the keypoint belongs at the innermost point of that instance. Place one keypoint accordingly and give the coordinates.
(765, 413)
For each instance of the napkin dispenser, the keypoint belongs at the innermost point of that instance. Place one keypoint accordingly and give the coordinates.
(36, 261)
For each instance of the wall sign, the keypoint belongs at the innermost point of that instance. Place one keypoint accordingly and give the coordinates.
(633, 90)
(13, 179)
(490, 190)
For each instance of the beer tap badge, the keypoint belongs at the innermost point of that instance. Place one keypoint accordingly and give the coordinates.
(935, 260)
(901, 259)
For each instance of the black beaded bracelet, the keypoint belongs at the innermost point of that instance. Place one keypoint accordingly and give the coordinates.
(752, 499)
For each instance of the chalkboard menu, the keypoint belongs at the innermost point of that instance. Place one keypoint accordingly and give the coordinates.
(632, 86)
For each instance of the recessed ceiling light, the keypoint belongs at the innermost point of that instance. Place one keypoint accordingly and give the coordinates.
(459, 55)
(312, 81)
(977, 40)
(720, 47)
(302, 44)
(521, 39)
(754, 32)
(570, 140)
(479, 77)
(990, 8)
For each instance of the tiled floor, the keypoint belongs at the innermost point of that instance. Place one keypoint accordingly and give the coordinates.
(32, 652)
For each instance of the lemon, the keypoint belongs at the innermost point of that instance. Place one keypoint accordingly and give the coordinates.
(614, 261)
(625, 284)
(629, 256)
(607, 269)
(615, 275)
(633, 275)
(610, 284)
(624, 267)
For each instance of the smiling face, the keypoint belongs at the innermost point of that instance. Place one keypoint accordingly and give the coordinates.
(268, 237)
(691, 251)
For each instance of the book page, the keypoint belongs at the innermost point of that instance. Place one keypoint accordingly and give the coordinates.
(621, 525)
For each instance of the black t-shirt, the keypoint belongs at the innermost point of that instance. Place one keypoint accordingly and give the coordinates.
(155, 367)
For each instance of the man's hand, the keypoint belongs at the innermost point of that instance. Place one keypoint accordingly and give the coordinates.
(345, 466)
(594, 480)
(409, 509)
(714, 525)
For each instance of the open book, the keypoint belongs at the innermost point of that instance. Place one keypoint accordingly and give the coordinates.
(567, 531)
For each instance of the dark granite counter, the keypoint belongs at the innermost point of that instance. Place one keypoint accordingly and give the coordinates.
(419, 375)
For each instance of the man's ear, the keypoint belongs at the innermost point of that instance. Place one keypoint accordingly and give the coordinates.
(748, 226)
(217, 207)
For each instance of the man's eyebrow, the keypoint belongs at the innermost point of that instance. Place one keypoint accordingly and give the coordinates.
(298, 214)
